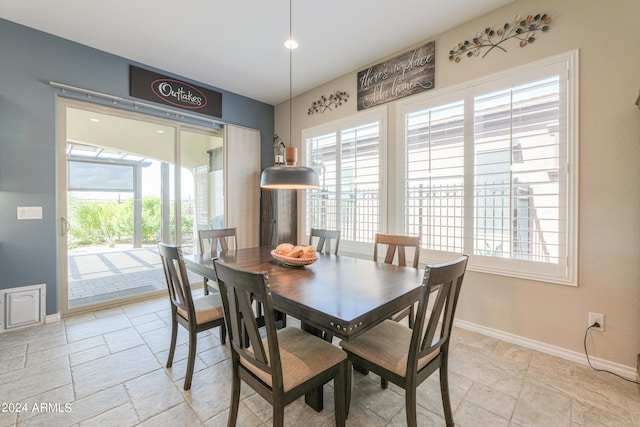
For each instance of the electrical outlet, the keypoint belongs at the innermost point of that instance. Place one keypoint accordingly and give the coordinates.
(597, 318)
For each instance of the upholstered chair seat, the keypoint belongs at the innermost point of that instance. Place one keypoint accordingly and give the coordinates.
(386, 346)
(303, 356)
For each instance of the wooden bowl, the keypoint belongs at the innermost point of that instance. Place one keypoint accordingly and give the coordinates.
(293, 262)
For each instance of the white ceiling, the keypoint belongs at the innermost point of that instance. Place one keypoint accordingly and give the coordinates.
(237, 45)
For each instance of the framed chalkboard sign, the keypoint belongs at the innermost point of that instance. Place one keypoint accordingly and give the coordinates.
(409, 73)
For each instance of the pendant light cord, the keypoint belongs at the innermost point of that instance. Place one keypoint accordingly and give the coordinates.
(290, 76)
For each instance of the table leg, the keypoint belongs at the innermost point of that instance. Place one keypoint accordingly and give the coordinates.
(314, 399)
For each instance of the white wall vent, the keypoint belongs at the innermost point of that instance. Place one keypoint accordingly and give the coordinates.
(23, 306)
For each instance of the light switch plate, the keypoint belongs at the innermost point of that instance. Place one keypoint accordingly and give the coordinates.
(29, 212)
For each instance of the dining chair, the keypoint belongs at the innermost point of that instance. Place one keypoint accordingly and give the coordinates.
(213, 240)
(195, 315)
(283, 365)
(407, 357)
(325, 236)
(398, 244)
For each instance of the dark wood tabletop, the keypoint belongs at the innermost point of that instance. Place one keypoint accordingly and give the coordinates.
(340, 295)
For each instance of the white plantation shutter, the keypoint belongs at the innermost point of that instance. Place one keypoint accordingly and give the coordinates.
(360, 182)
(517, 198)
(491, 170)
(322, 203)
(348, 160)
(434, 176)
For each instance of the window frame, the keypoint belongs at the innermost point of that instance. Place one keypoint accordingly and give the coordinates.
(379, 115)
(560, 273)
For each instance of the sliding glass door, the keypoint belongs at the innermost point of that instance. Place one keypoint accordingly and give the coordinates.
(126, 181)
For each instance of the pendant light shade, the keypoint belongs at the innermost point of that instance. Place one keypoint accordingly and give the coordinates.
(290, 176)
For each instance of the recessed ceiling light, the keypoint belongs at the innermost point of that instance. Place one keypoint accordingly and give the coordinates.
(159, 131)
(291, 44)
(94, 120)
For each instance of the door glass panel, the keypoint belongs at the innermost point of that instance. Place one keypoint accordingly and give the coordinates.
(201, 185)
(120, 201)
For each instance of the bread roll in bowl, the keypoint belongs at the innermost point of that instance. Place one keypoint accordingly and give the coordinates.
(284, 249)
(308, 252)
(296, 252)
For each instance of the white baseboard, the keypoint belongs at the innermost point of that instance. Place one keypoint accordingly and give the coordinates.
(51, 318)
(628, 372)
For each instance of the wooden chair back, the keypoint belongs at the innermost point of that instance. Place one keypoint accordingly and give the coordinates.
(325, 237)
(213, 240)
(397, 244)
(175, 274)
(441, 284)
(238, 287)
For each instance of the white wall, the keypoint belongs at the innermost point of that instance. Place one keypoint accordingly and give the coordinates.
(609, 188)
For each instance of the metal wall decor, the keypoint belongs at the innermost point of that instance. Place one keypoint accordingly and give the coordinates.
(324, 103)
(521, 29)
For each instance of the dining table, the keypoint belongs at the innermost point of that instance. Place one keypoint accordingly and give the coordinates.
(337, 295)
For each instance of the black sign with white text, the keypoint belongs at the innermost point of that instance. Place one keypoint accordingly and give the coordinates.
(155, 87)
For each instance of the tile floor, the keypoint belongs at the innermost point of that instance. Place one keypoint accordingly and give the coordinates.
(107, 368)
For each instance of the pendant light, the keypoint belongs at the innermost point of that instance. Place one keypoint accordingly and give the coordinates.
(290, 176)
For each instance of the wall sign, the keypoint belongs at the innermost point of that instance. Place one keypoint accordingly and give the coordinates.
(155, 87)
(406, 74)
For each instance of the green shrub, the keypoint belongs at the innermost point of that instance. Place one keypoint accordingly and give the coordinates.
(110, 221)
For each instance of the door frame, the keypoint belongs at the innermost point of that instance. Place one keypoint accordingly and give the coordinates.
(61, 190)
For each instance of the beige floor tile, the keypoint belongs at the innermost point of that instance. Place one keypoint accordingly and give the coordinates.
(123, 339)
(8, 365)
(542, 406)
(514, 353)
(109, 365)
(78, 318)
(589, 415)
(108, 371)
(95, 327)
(160, 339)
(246, 418)
(63, 350)
(157, 323)
(215, 355)
(430, 397)
(145, 307)
(62, 396)
(35, 379)
(9, 417)
(84, 409)
(366, 392)
(123, 415)
(210, 390)
(424, 418)
(39, 337)
(470, 415)
(487, 369)
(16, 351)
(153, 393)
(491, 400)
(180, 415)
(89, 355)
(178, 370)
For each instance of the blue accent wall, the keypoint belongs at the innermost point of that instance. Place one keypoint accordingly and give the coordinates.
(29, 60)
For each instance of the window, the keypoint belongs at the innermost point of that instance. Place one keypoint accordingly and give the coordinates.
(434, 180)
(347, 156)
(491, 170)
